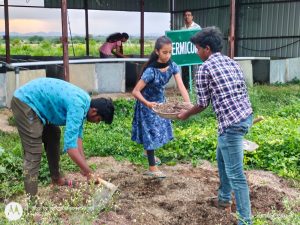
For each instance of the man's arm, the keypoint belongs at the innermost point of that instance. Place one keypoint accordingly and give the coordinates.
(186, 114)
(182, 88)
(80, 147)
(79, 159)
(77, 155)
(118, 53)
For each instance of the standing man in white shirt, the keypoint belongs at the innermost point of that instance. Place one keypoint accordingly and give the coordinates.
(188, 21)
(188, 24)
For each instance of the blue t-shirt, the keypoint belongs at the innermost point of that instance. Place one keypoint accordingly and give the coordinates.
(57, 102)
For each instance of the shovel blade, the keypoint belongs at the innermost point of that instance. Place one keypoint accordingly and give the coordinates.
(103, 195)
(249, 145)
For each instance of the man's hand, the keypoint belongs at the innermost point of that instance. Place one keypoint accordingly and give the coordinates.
(183, 115)
(93, 178)
(187, 113)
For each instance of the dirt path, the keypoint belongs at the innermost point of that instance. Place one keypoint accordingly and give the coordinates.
(4, 126)
(181, 198)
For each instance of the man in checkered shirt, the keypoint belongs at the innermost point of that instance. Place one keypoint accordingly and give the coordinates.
(220, 81)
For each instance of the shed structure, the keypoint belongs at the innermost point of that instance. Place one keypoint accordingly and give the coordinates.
(258, 30)
(263, 28)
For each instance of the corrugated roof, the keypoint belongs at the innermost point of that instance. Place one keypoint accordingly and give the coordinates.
(114, 5)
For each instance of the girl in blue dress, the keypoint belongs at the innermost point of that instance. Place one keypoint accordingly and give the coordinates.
(149, 129)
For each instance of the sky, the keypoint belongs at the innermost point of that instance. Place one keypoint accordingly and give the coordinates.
(26, 20)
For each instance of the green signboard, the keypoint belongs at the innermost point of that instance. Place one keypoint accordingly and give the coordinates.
(184, 52)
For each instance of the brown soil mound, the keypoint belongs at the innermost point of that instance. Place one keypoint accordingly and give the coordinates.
(172, 107)
(181, 198)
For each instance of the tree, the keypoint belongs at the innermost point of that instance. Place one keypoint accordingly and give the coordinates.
(35, 39)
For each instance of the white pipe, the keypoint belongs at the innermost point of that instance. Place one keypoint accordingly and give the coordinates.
(74, 61)
(252, 58)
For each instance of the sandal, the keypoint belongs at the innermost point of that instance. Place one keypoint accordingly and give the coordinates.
(157, 160)
(155, 174)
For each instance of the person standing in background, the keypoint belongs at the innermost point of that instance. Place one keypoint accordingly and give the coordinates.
(188, 25)
(188, 21)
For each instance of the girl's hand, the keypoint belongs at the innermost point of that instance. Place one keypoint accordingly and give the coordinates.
(188, 105)
(151, 104)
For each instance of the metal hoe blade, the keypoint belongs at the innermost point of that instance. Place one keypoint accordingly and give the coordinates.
(249, 145)
(103, 195)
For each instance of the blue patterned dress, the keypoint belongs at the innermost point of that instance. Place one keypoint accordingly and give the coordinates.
(148, 128)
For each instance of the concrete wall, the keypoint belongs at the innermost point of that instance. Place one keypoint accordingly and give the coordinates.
(110, 77)
(2, 89)
(84, 76)
(246, 66)
(8, 83)
(284, 70)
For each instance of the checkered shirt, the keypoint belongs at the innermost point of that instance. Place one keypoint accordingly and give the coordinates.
(220, 80)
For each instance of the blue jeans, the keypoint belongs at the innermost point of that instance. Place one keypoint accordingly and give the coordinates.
(230, 164)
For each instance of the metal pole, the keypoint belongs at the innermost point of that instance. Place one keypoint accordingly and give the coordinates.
(142, 40)
(64, 39)
(17, 73)
(172, 14)
(6, 37)
(87, 40)
(232, 29)
(190, 80)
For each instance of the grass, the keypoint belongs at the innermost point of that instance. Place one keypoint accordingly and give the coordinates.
(195, 139)
(287, 216)
(47, 48)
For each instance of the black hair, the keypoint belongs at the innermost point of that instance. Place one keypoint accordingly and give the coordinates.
(116, 37)
(159, 43)
(209, 36)
(125, 35)
(105, 108)
(187, 10)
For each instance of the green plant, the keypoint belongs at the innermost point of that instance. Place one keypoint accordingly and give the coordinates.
(278, 137)
(289, 215)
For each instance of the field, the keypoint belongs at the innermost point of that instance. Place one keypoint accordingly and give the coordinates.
(39, 46)
(189, 161)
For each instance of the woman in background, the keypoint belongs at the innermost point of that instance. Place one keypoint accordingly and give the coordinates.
(113, 46)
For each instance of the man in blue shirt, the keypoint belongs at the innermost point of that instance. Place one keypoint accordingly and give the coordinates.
(39, 108)
(220, 81)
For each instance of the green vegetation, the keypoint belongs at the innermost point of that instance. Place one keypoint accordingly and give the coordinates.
(278, 136)
(288, 216)
(51, 46)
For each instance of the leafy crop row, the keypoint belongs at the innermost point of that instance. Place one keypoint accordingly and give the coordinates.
(278, 137)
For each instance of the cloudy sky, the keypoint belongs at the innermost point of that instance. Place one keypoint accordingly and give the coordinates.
(25, 20)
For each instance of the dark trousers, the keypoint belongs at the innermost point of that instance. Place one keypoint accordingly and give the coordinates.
(33, 135)
(185, 75)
